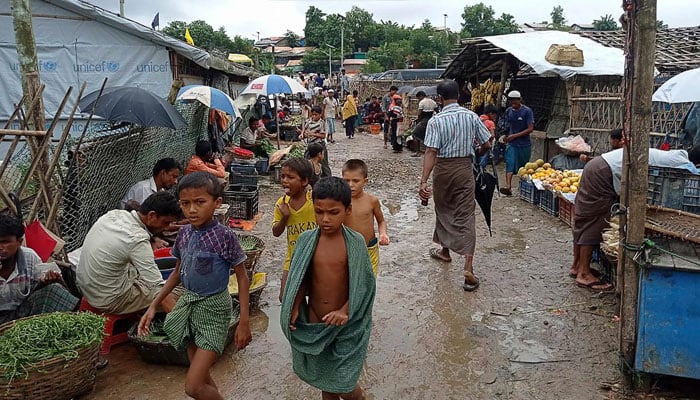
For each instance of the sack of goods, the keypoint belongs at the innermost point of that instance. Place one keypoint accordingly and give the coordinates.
(565, 54)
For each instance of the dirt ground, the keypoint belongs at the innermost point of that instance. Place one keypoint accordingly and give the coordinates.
(527, 333)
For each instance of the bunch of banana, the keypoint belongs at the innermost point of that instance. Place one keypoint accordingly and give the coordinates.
(486, 93)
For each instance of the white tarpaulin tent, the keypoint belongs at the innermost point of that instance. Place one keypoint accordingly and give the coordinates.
(531, 48)
(682, 88)
(78, 42)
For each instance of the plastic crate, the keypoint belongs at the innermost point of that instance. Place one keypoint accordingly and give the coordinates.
(243, 174)
(290, 136)
(674, 188)
(242, 201)
(608, 268)
(566, 210)
(261, 165)
(529, 192)
(549, 202)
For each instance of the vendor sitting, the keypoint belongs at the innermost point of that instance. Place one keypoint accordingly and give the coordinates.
(204, 160)
(252, 136)
(25, 288)
(165, 174)
(117, 272)
(374, 112)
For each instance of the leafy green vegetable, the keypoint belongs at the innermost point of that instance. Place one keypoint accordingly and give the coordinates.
(248, 243)
(44, 337)
(267, 146)
(297, 151)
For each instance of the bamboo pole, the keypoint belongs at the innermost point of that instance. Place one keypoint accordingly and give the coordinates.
(45, 180)
(22, 132)
(639, 81)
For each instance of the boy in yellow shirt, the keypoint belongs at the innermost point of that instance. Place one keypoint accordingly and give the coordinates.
(294, 211)
(365, 210)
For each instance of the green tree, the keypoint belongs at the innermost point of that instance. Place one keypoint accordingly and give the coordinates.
(316, 61)
(175, 29)
(314, 28)
(241, 45)
(292, 38)
(660, 24)
(372, 67)
(606, 23)
(480, 20)
(359, 26)
(558, 19)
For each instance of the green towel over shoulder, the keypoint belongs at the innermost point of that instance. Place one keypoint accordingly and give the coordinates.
(330, 358)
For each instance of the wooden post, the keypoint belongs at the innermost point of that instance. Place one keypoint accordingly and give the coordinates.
(29, 65)
(502, 87)
(638, 84)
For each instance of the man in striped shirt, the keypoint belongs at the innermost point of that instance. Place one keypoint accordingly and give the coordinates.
(451, 137)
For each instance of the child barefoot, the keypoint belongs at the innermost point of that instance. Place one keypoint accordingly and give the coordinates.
(205, 252)
(329, 334)
(294, 211)
(365, 209)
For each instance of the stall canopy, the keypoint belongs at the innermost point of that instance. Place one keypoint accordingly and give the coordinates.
(485, 55)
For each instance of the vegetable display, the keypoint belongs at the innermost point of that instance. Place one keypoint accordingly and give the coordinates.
(297, 151)
(44, 337)
(248, 243)
(267, 146)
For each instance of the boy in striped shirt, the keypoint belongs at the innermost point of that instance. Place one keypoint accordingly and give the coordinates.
(314, 132)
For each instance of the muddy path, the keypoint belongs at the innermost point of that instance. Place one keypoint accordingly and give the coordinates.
(527, 333)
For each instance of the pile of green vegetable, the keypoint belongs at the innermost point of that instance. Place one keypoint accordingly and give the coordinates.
(248, 243)
(297, 151)
(267, 146)
(44, 337)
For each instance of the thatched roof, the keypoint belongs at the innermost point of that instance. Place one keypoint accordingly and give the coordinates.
(677, 49)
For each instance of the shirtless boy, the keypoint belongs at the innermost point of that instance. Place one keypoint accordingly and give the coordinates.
(365, 210)
(328, 333)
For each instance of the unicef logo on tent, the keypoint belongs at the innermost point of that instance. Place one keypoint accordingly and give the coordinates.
(101, 66)
(48, 66)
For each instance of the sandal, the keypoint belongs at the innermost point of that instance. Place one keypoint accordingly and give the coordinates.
(506, 191)
(607, 288)
(470, 287)
(594, 272)
(437, 254)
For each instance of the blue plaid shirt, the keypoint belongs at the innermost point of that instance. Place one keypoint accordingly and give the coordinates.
(454, 131)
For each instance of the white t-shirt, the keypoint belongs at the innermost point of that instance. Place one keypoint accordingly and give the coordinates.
(331, 106)
(427, 105)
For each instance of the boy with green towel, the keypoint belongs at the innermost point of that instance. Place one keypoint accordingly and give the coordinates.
(329, 333)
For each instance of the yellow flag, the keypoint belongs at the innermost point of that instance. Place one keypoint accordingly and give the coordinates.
(188, 37)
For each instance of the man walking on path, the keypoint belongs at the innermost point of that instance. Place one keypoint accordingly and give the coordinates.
(518, 144)
(387, 101)
(450, 139)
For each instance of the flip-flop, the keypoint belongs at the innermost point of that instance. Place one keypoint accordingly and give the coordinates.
(435, 253)
(470, 287)
(506, 191)
(594, 272)
(590, 287)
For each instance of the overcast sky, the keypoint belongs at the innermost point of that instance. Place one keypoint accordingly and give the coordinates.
(274, 17)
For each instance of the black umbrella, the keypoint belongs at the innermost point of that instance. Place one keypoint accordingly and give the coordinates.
(428, 90)
(484, 186)
(404, 89)
(132, 104)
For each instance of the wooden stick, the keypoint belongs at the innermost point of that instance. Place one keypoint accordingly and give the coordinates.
(43, 154)
(22, 132)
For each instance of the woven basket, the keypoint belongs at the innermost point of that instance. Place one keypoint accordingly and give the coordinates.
(253, 256)
(673, 223)
(54, 378)
(163, 352)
